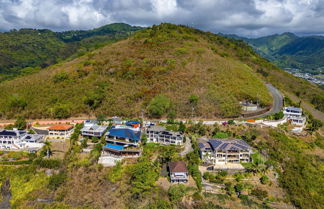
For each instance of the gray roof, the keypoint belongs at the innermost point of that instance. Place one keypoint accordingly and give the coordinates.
(156, 128)
(95, 127)
(32, 137)
(229, 145)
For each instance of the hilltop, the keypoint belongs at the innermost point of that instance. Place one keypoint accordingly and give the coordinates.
(28, 50)
(165, 70)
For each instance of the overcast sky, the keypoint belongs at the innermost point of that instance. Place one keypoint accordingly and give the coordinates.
(242, 17)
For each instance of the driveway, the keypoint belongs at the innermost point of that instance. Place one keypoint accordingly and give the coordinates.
(187, 147)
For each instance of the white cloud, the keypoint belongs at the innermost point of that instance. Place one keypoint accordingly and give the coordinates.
(244, 17)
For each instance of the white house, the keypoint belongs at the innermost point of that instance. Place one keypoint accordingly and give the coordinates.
(159, 134)
(91, 129)
(223, 151)
(61, 131)
(294, 115)
(178, 172)
(20, 140)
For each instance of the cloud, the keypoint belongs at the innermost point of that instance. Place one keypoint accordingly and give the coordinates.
(243, 17)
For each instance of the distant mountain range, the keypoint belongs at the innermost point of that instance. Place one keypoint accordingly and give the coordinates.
(288, 50)
(28, 50)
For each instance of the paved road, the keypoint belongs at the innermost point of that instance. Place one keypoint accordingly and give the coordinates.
(277, 99)
(277, 104)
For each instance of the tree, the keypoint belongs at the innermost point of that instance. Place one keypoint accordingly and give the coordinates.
(47, 147)
(176, 192)
(20, 123)
(158, 106)
(61, 111)
(193, 100)
(182, 127)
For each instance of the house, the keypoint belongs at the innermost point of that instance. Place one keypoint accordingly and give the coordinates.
(91, 129)
(20, 140)
(292, 112)
(249, 106)
(60, 131)
(122, 142)
(8, 138)
(294, 115)
(178, 172)
(223, 151)
(159, 134)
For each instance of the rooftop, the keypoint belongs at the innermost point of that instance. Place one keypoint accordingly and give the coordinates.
(296, 109)
(124, 133)
(156, 128)
(178, 166)
(12, 132)
(94, 127)
(61, 127)
(229, 144)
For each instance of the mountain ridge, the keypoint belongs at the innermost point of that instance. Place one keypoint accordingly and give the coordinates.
(156, 71)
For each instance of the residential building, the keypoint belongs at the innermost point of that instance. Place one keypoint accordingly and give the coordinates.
(159, 134)
(294, 116)
(178, 172)
(91, 129)
(223, 151)
(293, 112)
(249, 106)
(122, 142)
(60, 131)
(20, 140)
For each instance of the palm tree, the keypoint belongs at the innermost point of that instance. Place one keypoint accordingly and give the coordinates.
(47, 147)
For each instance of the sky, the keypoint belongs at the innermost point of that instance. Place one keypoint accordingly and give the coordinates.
(250, 18)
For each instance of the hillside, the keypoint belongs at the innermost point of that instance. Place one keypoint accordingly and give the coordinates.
(290, 51)
(166, 70)
(28, 50)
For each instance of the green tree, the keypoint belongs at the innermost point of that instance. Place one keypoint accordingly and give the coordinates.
(47, 147)
(159, 106)
(61, 111)
(176, 192)
(20, 123)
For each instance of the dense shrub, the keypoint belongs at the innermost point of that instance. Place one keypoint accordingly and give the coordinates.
(159, 106)
(57, 180)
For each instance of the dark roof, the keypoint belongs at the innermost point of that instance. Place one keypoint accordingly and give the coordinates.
(229, 144)
(11, 132)
(125, 133)
(178, 166)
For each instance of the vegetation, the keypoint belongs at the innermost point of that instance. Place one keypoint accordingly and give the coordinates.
(300, 171)
(116, 81)
(27, 51)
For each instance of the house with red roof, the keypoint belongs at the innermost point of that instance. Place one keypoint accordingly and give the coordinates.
(60, 131)
(178, 172)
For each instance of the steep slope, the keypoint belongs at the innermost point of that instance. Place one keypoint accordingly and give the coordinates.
(165, 70)
(290, 51)
(41, 48)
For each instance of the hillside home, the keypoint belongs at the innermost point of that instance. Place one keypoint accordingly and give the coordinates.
(249, 106)
(293, 112)
(61, 131)
(20, 140)
(122, 142)
(178, 172)
(223, 151)
(159, 134)
(91, 129)
(294, 115)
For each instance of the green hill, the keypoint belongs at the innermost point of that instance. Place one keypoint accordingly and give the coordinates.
(290, 51)
(29, 50)
(165, 70)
